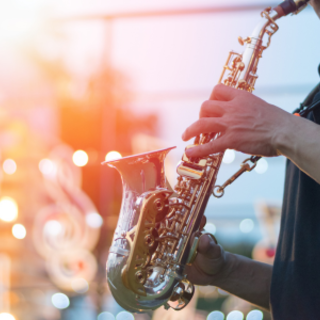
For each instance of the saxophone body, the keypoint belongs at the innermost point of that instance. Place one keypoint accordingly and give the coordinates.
(159, 228)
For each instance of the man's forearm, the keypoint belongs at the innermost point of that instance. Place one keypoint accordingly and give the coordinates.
(248, 279)
(299, 141)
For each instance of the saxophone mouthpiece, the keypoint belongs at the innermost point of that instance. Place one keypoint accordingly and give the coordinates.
(291, 6)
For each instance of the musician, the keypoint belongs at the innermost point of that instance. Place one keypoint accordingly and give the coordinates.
(290, 288)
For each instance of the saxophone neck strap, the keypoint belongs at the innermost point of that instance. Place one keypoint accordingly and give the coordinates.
(311, 102)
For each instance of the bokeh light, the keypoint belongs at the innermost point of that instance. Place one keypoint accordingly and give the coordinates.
(8, 209)
(19, 231)
(113, 155)
(21, 21)
(215, 315)
(47, 167)
(222, 292)
(6, 316)
(106, 316)
(9, 166)
(229, 156)
(60, 300)
(210, 228)
(262, 166)
(52, 228)
(80, 285)
(235, 315)
(94, 220)
(124, 315)
(80, 158)
(246, 225)
(207, 291)
(255, 315)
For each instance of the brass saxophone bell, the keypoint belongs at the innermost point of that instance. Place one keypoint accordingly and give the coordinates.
(181, 295)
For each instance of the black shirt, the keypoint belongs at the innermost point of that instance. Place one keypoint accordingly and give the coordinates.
(295, 285)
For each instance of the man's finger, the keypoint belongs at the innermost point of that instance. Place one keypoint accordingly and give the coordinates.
(222, 92)
(208, 247)
(203, 222)
(204, 125)
(211, 108)
(203, 150)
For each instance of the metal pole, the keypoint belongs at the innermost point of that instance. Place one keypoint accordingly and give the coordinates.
(170, 12)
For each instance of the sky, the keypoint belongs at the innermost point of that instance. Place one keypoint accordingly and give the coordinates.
(172, 63)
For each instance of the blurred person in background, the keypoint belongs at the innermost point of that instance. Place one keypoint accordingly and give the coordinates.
(290, 288)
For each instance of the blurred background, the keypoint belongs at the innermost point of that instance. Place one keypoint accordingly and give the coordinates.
(81, 82)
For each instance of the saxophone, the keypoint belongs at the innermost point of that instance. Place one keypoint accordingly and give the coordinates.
(159, 228)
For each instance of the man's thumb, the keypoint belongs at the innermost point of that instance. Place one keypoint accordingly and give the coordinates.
(208, 247)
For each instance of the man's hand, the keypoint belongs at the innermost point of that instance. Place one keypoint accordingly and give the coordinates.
(210, 263)
(243, 277)
(246, 123)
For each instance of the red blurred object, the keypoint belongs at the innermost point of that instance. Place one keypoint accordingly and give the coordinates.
(80, 265)
(270, 252)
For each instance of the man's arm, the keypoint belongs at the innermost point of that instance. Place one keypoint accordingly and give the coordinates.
(300, 142)
(238, 275)
(249, 280)
(253, 126)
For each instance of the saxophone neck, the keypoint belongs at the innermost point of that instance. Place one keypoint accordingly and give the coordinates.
(243, 67)
(269, 16)
(254, 44)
